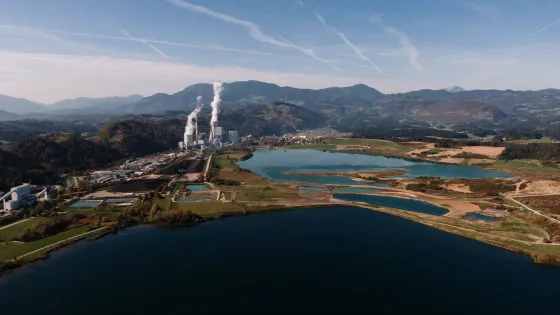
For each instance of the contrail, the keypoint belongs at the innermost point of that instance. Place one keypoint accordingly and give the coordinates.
(407, 46)
(312, 54)
(254, 30)
(146, 43)
(347, 41)
(180, 44)
(404, 41)
(546, 27)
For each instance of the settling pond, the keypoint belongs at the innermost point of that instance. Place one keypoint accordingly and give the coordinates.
(338, 260)
(272, 164)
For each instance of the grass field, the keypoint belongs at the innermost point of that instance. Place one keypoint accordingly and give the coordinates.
(378, 146)
(523, 165)
(211, 207)
(434, 151)
(224, 164)
(11, 250)
(10, 232)
(541, 140)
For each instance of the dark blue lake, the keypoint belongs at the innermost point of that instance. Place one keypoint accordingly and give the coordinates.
(273, 164)
(338, 260)
(397, 203)
(475, 216)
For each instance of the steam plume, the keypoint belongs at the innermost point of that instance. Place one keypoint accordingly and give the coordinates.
(189, 130)
(218, 88)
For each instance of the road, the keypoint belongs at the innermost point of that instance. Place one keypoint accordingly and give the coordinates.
(533, 210)
(18, 222)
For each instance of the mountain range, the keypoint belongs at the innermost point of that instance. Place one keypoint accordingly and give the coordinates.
(337, 106)
(77, 106)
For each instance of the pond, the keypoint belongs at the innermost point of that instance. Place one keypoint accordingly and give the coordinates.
(196, 187)
(338, 260)
(476, 216)
(273, 164)
(123, 200)
(393, 202)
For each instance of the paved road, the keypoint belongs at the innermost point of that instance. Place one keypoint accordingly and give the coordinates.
(18, 222)
(533, 210)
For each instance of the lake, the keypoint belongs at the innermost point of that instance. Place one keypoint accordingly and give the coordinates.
(273, 164)
(338, 260)
(397, 203)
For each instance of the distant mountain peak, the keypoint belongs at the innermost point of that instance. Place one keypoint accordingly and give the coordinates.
(454, 89)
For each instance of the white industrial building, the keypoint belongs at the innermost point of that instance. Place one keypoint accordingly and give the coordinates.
(19, 197)
(233, 136)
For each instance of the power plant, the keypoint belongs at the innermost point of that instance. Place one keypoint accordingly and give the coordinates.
(191, 136)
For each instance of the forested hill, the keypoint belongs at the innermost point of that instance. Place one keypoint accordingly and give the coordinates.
(19, 169)
(535, 151)
(66, 153)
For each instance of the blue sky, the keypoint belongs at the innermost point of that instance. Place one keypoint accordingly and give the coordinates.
(56, 49)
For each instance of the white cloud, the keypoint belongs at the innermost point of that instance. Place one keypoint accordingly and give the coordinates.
(347, 41)
(300, 2)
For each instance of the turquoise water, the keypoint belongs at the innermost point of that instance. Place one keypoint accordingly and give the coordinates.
(86, 204)
(125, 200)
(475, 216)
(397, 203)
(338, 260)
(273, 164)
(354, 190)
(197, 187)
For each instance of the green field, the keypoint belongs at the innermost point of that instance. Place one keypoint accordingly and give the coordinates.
(224, 164)
(526, 166)
(434, 151)
(211, 207)
(11, 250)
(541, 140)
(374, 143)
(9, 233)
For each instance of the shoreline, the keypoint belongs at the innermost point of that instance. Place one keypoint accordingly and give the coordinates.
(421, 218)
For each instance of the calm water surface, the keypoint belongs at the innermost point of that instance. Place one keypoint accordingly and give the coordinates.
(273, 163)
(319, 261)
(397, 203)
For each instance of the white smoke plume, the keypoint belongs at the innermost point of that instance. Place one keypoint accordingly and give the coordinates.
(189, 129)
(218, 88)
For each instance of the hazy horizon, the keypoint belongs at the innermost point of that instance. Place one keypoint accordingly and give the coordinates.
(67, 49)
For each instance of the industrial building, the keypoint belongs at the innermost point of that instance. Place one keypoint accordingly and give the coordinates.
(233, 136)
(19, 197)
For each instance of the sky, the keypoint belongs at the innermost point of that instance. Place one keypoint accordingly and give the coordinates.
(58, 49)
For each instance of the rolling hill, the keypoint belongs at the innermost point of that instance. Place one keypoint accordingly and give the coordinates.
(19, 105)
